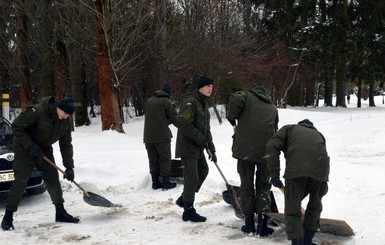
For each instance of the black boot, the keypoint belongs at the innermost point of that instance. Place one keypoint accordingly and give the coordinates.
(190, 214)
(179, 201)
(262, 229)
(308, 237)
(297, 241)
(249, 227)
(63, 216)
(6, 223)
(155, 181)
(166, 184)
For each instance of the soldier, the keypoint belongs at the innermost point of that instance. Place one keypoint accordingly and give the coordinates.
(306, 173)
(193, 137)
(35, 130)
(255, 120)
(159, 112)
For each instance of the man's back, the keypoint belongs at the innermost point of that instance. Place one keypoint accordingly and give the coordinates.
(257, 122)
(159, 113)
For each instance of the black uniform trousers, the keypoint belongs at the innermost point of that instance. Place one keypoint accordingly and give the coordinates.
(22, 167)
(159, 156)
(255, 196)
(295, 191)
(195, 172)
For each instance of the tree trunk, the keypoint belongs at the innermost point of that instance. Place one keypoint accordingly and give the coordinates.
(60, 49)
(371, 94)
(341, 79)
(161, 11)
(328, 78)
(359, 91)
(110, 113)
(4, 52)
(81, 95)
(26, 97)
(341, 21)
(247, 16)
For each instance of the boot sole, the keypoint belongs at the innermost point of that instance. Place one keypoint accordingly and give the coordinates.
(195, 221)
(66, 221)
(7, 228)
(167, 188)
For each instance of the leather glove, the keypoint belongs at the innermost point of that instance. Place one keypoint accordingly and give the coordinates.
(276, 182)
(69, 174)
(36, 152)
(232, 122)
(213, 157)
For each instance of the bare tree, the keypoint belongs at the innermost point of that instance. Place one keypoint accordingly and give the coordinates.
(111, 115)
(21, 51)
(160, 19)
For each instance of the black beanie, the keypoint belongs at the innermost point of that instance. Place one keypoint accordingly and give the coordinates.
(260, 89)
(166, 88)
(67, 105)
(306, 122)
(204, 80)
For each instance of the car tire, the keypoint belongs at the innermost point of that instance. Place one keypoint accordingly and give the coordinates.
(36, 191)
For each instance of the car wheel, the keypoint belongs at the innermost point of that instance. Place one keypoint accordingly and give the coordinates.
(36, 191)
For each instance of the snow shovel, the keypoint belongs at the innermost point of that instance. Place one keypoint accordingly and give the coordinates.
(233, 195)
(89, 197)
(331, 226)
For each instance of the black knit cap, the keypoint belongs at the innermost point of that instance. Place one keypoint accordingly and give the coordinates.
(260, 89)
(166, 88)
(306, 122)
(67, 105)
(204, 81)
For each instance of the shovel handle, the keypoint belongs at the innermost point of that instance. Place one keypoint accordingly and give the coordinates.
(61, 171)
(283, 191)
(216, 165)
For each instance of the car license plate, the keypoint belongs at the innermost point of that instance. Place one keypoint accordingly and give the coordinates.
(7, 177)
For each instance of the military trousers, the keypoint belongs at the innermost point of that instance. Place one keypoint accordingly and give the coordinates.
(159, 157)
(295, 191)
(255, 186)
(22, 167)
(195, 172)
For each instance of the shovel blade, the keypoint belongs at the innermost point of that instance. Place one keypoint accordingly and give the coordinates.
(97, 200)
(235, 201)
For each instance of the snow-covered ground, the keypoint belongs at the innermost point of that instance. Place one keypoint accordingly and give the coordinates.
(115, 166)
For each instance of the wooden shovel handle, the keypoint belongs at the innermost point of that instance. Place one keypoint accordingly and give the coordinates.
(216, 165)
(61, 171)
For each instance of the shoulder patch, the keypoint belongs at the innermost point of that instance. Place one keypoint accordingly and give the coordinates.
(186, 114)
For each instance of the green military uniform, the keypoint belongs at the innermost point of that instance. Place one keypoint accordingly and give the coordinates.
(306, 173)
(40, 125)
(257, 121)
(193, 132)
(159, 112)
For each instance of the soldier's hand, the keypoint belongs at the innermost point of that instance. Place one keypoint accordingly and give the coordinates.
(213, 157)
(69, 174)
(36, 152)
(276, 182)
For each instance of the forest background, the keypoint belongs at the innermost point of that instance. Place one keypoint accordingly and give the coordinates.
(116, 53)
